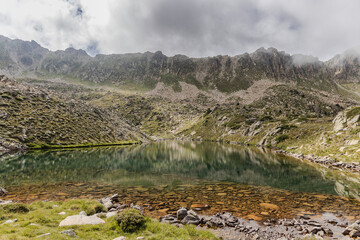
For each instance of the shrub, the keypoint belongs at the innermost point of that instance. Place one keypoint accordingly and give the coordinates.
(15, 208)
(130, 220)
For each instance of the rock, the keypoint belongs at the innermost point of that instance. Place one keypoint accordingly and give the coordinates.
(215, 222)
(314, 223)
(123, 206)
(339, 122)
(328, 232)
(181, 213)
(354, 233)
(3, 202)
(140, 238)
(83, 213)
(110, 214)
(69, 232)
(120, 238)
(81, 220)
(3, 192)
(43, 235)
(141, 209)
(191, 218)
(62, 213)
(315, 230)
(311, 236)
(229, 219)
(108, 204)
(169, 219)
(115, 197)
(352, 142)
(10, 221)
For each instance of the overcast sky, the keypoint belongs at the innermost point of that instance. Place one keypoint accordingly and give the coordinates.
(195, 28)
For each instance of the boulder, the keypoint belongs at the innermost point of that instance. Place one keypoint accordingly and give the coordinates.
(339, 122)
(229, 219)
(191, 218)
(169, 219)
(81, 220)
(215, 222)
(3, 192)
(181, 213)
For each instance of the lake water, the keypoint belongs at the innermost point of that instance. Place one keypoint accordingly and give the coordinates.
(170, 174)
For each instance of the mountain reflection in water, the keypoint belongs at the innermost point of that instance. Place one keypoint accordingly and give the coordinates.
(175, 162)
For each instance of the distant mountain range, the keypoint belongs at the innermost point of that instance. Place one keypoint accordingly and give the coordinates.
(23, 59)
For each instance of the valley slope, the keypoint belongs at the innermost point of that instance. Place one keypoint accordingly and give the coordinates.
(267, 98)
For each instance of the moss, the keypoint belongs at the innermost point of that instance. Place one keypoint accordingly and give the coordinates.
(353, 112)
(92, 208)
(130, 220)
(14, 208)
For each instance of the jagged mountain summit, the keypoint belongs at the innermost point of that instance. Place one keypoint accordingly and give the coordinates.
(224, 73)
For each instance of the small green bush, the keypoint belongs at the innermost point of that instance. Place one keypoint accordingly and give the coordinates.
(130, 220)
(15, 208)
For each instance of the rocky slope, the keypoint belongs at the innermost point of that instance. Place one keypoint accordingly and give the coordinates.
(31, 117)
(226, 74)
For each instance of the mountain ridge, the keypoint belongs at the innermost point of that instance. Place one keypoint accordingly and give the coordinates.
(227, 74)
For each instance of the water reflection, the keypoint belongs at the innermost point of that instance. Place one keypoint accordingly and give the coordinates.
(174, 162)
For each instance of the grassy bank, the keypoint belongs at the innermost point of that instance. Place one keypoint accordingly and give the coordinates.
(49, 146)
(41, 218)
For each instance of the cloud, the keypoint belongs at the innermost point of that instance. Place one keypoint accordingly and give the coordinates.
(196, 28)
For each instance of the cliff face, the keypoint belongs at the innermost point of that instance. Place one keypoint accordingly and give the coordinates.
(346, 67)
(227, 74)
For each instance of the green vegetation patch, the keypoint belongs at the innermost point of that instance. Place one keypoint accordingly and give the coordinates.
(44, 218)
(34, 146)
(130, 220)
(353, 112)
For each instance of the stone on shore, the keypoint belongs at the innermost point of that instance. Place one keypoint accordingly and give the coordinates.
(81, 220)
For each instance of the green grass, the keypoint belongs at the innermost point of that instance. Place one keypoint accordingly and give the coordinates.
(353, 112)
(88, 145)
(43, 218)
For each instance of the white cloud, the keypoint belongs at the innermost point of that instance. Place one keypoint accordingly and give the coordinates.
(193, 27)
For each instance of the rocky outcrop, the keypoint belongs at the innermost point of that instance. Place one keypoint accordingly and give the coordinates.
(347, 119)
(224, 73)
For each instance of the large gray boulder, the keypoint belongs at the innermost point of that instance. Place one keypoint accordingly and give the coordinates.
(81, 220)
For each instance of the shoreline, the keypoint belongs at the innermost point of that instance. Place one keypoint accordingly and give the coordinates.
(223, 225)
